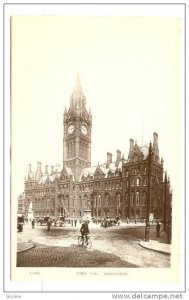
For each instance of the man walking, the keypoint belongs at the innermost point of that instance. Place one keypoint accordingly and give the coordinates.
(84, 231)
(158, 229)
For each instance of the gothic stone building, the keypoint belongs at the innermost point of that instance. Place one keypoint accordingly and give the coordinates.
(117, 187)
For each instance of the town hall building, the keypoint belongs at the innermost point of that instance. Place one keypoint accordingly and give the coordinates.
(127, 187)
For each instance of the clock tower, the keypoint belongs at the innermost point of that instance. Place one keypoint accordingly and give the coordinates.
(77, 124)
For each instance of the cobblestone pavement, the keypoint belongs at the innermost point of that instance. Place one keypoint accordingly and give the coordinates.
(112, 247)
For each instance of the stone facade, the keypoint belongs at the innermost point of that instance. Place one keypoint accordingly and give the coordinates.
(117, 187)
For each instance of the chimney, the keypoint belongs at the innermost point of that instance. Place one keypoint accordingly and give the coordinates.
(131, 145)
(46, 170)
(29, 171)
(109, 159)
(52, 170)
(118, 158)
(155, 147)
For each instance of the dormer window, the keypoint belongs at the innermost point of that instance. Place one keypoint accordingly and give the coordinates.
(135, 158)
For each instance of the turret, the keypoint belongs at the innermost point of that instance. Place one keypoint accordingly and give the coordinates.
(38, 173)
(30, 175)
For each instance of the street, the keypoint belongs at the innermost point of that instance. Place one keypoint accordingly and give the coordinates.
(111, 247)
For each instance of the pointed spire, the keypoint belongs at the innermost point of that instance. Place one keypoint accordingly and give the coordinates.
(166, 176)
(78, 99)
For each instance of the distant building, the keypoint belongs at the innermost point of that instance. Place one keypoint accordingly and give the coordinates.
(21, 204)
(119, 187)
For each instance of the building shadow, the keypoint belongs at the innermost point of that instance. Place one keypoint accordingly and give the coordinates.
(74, 256)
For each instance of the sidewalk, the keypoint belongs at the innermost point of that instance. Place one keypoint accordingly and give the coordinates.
(24, 246)
(157, 246)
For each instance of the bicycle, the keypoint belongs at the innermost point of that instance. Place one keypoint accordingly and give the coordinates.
(86, 242)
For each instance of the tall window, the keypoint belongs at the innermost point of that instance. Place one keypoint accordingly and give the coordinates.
(138, 181)
(118, 200)
(107, 198)
(99, 200)
(132, 199)
(144, 181)
(126, 198)
(137, 198)
(144, 199)
(95, 201)
(80, 200)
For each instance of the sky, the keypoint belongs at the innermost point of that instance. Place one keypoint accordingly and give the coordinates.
(131, 74)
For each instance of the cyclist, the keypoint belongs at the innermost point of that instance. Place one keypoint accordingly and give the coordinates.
(84, 231)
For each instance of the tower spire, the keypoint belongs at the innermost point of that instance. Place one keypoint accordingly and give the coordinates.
(77, 99)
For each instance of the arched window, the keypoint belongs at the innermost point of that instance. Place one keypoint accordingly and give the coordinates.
(137, 198)
(80, 201)
(107, 200)
(118, 200)
(132, 199)
(99, 200)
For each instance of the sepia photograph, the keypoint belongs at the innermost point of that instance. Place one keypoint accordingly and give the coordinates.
(97, 147)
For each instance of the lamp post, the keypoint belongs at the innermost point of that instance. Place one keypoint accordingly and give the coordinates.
(48, 207)
(147, 228)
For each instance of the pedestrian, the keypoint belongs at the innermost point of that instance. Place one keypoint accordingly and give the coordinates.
(48, 224)
(158, 229)
(105, 224)
(84, 231)
(75, 222)
(33, 224)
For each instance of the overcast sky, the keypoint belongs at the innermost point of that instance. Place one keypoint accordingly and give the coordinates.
(130, 71)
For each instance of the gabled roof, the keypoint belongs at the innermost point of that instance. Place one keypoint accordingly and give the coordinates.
(144, 150)
(91, 171)
(66, 172)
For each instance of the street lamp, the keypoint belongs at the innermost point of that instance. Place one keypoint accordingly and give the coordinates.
(48, 206)
(147, 228)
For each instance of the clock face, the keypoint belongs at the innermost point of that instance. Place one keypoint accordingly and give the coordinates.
(84, 129)
(71, 128)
